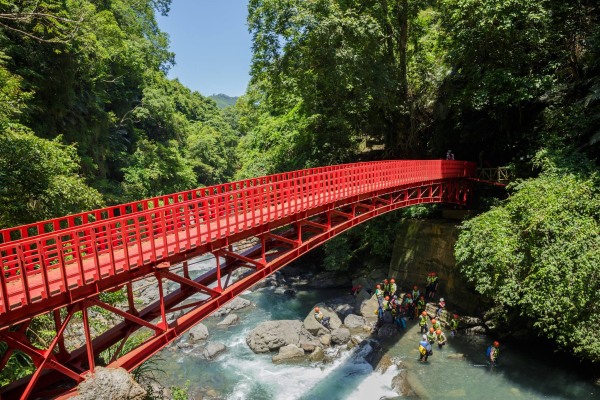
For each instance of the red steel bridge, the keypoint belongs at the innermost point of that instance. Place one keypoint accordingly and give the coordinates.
(60, 268)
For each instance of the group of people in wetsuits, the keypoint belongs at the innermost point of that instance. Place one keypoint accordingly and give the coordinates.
(411, 305)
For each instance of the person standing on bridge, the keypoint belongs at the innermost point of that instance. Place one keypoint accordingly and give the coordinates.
(322, 319)
(449, 155)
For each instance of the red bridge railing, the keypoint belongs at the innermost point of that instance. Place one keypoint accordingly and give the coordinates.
(98, 245)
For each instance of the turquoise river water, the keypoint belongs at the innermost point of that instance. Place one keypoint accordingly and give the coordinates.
(239, 374)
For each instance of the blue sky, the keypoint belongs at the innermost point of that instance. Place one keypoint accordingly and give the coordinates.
(211, 43)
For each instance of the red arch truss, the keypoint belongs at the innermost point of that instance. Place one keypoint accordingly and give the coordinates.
(62, 266)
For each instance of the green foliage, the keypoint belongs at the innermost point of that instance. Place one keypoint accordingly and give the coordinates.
(157, 169)
(38, 179)
(537, 254)
(180, 393)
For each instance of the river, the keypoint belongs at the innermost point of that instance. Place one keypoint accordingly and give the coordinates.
(239, 374)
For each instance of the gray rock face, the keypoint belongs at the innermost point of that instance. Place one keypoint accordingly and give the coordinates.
(197, 333)
(229, 320)
(317, 355)
(213, 349)
(354, 321)
(287, 353)
(309, 345)
(325, 340)
(110, 384)
(401, 386)
(271, 335)
(387, 330)
(340, 335)
(236, 304)
(369, 307)
(315, 328)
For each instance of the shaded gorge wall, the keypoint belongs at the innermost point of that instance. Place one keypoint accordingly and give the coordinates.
(424, 246)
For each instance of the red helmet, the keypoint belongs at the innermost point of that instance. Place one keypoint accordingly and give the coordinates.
(408, 295)
(438, 332)
(387, 297)
(422, 297)
(317, 309)
(433, 273)
(496, 344)
(385, 280)
(456, 316)
(424, 313)
(378, 286)
(433, 321)
(415, 287)
(431, 330)
(392, 280)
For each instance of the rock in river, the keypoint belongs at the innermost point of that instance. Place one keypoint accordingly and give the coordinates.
(271, 335)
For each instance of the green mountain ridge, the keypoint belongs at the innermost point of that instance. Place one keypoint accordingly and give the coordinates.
(223, 100)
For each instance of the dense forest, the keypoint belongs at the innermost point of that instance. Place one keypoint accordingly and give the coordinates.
(89, 117)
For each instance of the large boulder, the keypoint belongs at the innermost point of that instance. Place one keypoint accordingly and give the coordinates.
(287, 353)
(110, 384)
(197, 333)
(325, 340)
(354, 321)
(340, 335)
(317, 355)
(236, 304)
(271, 335)
(229, 320)
(315, 328)
(401, 385)
(213, 349)
(368, 307)
(387, 331)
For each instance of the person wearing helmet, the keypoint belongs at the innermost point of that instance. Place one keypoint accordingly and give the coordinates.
(428, 284)
(393, 287)
(386, 287)
(493, 352)
(425, 349)
(440, 338)
(423, 322)
(379, 295)
(436, 324)
(322, 319)
(441, 306)
(409, 305)
(421, 304)
(453, 325)
(431, 336)
(434, 285)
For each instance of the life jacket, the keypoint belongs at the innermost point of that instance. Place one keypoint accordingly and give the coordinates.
(431, 337)
(423, 347)
(437, 325)
(423, 320)
(454, 324)
(319, 316)
(415, 294)
(393, 288)
(421, 304)
(441, 338)
(378, 293)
